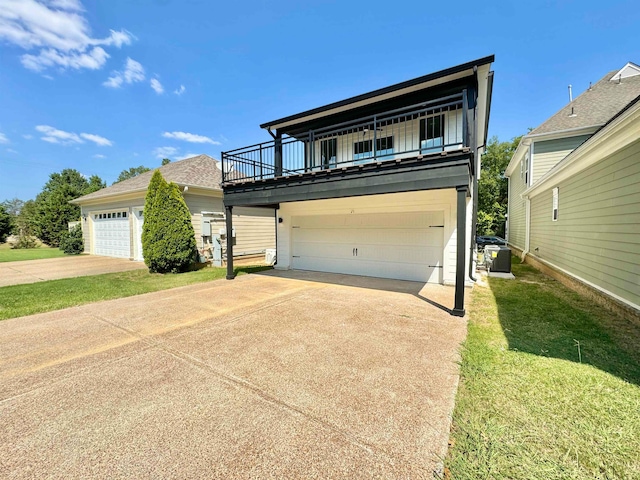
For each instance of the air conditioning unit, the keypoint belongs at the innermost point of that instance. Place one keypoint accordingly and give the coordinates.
(497, 258)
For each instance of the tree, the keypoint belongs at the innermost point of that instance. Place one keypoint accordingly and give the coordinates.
(165, 161)
(132, 172)
(12, 208)
(26, 218)
(52, 211)
(168, 238)
(493, 186)
(6, 224)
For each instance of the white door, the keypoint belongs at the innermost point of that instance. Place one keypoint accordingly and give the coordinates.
(138, 220)
(111, 234)
(405, 246)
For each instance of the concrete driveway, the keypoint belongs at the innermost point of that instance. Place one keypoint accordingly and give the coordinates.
(277, 375)
(31, 271)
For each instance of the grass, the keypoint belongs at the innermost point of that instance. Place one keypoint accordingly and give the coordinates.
(7, 254)
(20, 300)
(532, 405)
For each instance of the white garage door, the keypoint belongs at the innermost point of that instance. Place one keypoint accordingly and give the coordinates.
(406, 246)
(111, 234)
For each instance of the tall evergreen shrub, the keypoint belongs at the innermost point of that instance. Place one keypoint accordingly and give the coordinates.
(168, 238)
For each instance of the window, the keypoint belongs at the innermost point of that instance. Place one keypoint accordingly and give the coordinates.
(364, 150)
(124, 214)
(329, 152)
(554, 213)
(432, 134)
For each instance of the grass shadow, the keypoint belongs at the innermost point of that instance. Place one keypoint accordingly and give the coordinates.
(251, 269)
(540, 316)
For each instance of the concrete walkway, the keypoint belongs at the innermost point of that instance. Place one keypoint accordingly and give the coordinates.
(277, 375)
(31, 271)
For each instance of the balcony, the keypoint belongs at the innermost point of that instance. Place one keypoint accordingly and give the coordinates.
(412, 132)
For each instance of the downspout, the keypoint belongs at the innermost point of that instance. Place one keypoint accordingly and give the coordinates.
(527, 222)
(474, 198)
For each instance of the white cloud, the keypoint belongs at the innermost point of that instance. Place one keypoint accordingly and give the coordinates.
(54, 135)
(179, 91)
(3, 138)
(157, 86)
(187, 155)
(133, 72)
(10, 150)
(97, 139)
(165, 152)
(190, 137)
(97, 155)
(58, 32)
(27, 137)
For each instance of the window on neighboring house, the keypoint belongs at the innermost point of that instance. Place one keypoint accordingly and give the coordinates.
(554, 213)
(432, 134)
(364, 150)
(329, 152)
(524, 168)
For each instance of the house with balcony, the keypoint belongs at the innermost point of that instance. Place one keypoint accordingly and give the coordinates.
(383, 184)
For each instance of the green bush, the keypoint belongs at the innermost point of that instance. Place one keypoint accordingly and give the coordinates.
(168, 238)
(71, 242)
(6, 224)
(25, 241)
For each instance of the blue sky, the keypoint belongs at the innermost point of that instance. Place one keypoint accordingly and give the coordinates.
(101, 86)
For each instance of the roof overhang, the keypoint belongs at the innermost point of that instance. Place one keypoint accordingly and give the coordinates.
(619, 132)
(409, 86)
(141, 192)
(526, 141)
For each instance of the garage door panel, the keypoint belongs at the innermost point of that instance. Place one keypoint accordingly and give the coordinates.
(111, 234)
(406, 245)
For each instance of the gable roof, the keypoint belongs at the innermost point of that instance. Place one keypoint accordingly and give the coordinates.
(596, 106)
(201, 171)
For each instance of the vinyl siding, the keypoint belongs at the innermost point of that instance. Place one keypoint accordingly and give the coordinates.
(597, 235)
(516, 209)
(547, 154)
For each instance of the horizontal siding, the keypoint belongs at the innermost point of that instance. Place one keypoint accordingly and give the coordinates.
(516, 209)
(597, 235)
(255, 230)
(547, 154)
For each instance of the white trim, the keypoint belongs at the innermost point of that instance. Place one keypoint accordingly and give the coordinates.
(629, 70)
(612, 138)
(540, 137)
(587, 282)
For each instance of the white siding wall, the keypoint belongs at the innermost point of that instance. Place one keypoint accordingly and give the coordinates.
(597, 234)
(547, 154)
(431, 200)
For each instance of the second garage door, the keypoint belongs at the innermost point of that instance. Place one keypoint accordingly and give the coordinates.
(406, 246)
(111, 234)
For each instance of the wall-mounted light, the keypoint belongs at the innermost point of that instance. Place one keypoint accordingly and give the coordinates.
(280, 220)
(84, 217)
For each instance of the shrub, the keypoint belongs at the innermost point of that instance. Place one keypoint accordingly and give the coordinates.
(71, 242)
(6, 224)
(168, 238)
(25, 241)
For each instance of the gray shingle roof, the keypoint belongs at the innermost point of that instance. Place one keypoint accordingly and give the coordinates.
(201, 171)
(595, 107)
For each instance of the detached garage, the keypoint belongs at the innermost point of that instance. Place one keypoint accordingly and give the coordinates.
(112, 218)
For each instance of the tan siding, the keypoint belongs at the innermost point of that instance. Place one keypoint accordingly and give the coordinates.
(255, 230)
(516, 219)
(597, 235)
(547, 154)
(198, 204)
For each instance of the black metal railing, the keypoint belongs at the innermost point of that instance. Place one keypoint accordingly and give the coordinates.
(429, 127)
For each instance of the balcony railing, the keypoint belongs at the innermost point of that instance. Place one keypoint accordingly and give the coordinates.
(429, 127)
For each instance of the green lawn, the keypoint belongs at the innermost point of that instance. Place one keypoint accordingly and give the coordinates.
(9, 255)
(530, 405)
(19, 300)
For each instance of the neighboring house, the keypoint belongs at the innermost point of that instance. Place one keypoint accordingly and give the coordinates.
(382, 184)
(574, 191)
(112, 218)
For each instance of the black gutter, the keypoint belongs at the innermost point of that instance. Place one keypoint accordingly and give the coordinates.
(385, 90)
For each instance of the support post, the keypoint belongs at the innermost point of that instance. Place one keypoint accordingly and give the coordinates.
(228, 216)
(277, 157)
(458, 308)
